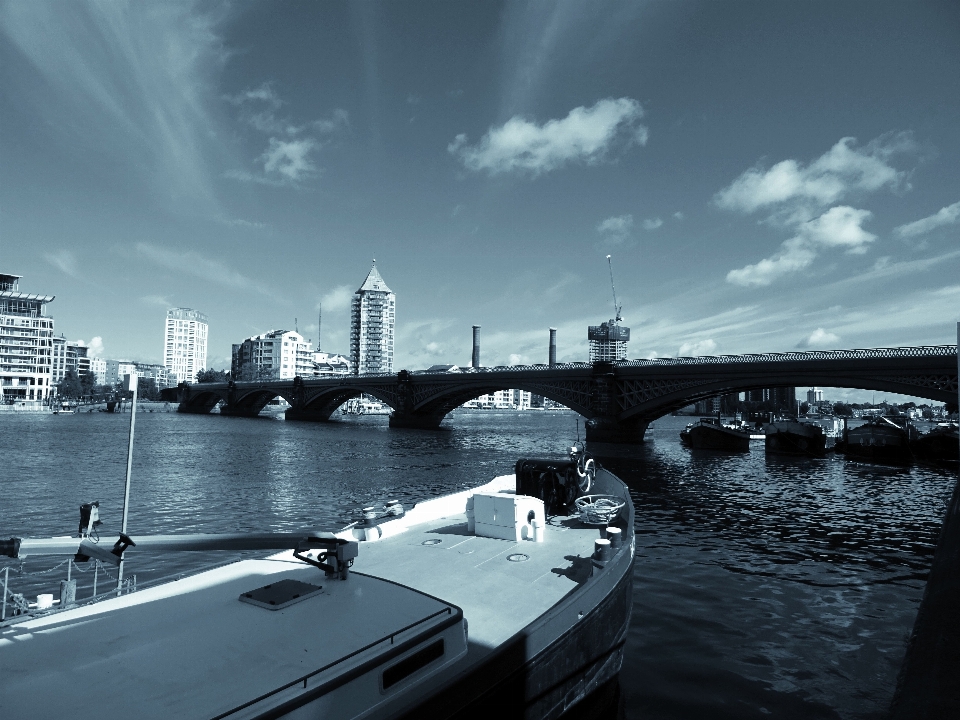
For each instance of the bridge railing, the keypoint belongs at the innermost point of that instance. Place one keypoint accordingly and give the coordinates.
(858, 354)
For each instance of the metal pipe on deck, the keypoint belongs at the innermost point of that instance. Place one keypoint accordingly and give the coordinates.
(23, 547)
(553, 347)
(475, 361)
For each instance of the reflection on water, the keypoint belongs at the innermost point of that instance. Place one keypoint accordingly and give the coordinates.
(763, 586)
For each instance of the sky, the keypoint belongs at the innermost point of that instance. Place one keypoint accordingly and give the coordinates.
(766, 177)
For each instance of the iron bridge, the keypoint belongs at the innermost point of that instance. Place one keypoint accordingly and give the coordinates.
(619, 399)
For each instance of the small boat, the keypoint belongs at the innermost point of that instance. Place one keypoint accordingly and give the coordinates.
(940, 445)
(711, 434)
(791, 437)
(370, 621)
(885, 439)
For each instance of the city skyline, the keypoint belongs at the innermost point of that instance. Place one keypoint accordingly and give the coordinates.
(767, 177)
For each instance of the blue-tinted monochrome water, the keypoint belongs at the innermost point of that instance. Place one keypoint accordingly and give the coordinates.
(763, 588)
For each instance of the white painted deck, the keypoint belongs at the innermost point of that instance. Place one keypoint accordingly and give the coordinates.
(191, 649)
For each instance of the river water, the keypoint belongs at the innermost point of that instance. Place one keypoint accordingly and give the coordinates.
(763, 588)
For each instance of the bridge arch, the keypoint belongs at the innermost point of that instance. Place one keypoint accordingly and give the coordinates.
(320, 404)
(937, 389)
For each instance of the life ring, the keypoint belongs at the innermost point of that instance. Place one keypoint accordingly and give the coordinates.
(586, 475)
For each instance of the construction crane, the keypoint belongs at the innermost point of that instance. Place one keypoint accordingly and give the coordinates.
(616, 308)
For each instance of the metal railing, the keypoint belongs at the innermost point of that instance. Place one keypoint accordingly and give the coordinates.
(810, 355)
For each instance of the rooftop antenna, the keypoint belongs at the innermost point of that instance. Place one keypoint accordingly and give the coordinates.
(319, 321)
(296, 328)
(616, 308)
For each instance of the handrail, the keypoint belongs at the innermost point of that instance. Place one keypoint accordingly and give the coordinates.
(448, 610)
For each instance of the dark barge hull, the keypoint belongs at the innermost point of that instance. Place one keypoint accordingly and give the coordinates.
(708, 437)
(883, 445)
(940, 446)
(566, 654)
(784, 442)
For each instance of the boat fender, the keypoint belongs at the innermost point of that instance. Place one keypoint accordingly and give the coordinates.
(586, 474)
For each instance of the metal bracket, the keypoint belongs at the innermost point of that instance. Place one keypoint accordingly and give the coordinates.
(336, 557)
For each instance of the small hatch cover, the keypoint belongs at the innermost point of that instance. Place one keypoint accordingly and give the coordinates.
(281, 594)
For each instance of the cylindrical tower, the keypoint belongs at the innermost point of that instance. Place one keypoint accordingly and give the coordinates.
(553, 347)
(475, 361)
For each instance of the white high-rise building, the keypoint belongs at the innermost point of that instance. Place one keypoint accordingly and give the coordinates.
(185, 344)
(278, 354)
(372, 323)
(26, 343)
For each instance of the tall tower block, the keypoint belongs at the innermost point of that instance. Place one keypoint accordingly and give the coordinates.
(372, 323)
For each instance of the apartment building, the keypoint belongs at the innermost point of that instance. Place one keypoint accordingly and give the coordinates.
(184, 344)
(278, 354)
(26, 343)
(372, 324)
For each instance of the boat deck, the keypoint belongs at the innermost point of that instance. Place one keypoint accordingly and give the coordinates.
(498, 596)
(191, 649)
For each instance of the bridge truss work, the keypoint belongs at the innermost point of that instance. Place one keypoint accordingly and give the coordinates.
(619, 399)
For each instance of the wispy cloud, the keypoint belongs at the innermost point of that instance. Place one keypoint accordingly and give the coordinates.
(819, 338)
(337, 299)
(839, 227)
(795, 196)
(63, 260)
(291, 147)
(945, 216)
(193, 263)
(587, 135)
(159, 300)
(695, 349)
(838, 172)
(652, 223)
(134, 80)
(615, 230)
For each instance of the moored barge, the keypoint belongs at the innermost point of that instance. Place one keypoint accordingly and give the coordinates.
(711, 434)
(513, 597)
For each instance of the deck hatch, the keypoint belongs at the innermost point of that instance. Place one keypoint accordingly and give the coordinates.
(410, 664)
(281, 594)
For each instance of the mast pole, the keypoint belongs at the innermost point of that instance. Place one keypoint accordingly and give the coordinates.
(131, 381)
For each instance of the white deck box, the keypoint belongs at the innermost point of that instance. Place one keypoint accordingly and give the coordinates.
(507, 516)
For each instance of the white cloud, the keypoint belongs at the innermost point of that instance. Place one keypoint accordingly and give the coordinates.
(819, 338)
(652, 223)
(290, 159)
(264, 94)
(945, 216)
(619, 225)
(95, 347)
(841, 170)
(695, 349)
(615, 230)
(838, 227)
(64, 260)
(337, 299)
(678, 215)
(584, 135)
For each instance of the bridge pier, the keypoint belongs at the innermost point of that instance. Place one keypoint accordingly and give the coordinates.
(415, 421)
(307, 415)
(612, 438)
(229, 411)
